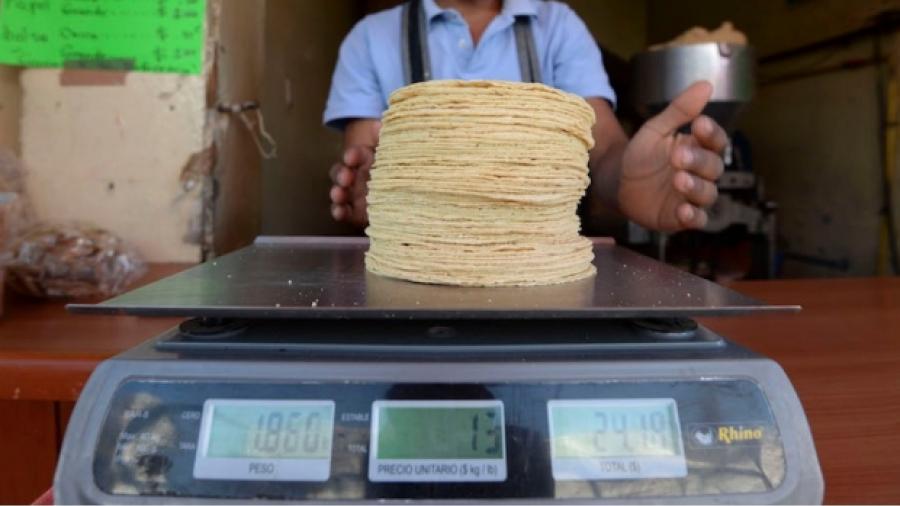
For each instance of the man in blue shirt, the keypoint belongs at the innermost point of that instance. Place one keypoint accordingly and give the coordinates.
(660, 179)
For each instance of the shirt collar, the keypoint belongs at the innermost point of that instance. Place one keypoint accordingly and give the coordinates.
(510, 8)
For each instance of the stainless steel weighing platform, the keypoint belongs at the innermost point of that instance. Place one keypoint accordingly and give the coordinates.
(300, 377)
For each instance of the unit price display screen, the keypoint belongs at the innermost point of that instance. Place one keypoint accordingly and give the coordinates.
(613, 439)
(279, 440)
(437, 441)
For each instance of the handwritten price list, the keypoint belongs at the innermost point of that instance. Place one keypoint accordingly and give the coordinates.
(139, 35)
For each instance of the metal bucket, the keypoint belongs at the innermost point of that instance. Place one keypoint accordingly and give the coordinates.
(660, 75)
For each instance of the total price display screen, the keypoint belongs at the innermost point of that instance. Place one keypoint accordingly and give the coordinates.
(415, 441)
(288, 440)
(595, 439)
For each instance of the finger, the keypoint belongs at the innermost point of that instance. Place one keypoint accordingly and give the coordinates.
(690, 216)
(710, 134)
(345, 177)
(360, 213)
(339, 195)
(699, 161)
(696, 190)
(340, 212)
(333, 171)
(683, 109)
(356, 156)
(364, 173)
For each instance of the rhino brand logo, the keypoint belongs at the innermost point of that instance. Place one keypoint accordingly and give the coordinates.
(729, 434)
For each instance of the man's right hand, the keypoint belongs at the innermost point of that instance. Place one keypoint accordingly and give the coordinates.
(349, 179)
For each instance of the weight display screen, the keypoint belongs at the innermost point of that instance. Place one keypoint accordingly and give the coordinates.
(437, 441)
(265, 440)
(615, 439)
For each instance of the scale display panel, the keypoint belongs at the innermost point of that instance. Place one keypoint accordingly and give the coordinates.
(282, 440)
(613, 439)
(437, 441)
(158, 437)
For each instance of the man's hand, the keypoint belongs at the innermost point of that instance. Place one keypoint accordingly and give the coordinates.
(350, 176)
(667, 178)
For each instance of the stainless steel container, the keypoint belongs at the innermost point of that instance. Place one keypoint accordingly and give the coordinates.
(660, 75)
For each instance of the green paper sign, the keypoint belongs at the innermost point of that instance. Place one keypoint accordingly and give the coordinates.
(140, 35)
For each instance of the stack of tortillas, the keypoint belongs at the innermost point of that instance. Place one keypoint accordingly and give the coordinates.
(477, 182)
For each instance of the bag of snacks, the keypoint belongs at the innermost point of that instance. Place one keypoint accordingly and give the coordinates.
(74, 260)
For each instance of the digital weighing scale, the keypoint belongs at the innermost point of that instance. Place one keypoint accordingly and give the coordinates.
(300, 377)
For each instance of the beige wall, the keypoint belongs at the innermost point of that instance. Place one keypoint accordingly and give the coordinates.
(10, 104)
(112, 155)
(117, 155)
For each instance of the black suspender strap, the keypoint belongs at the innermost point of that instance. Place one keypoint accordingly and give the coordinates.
(415, 42)
(414, 45)
(529, 65)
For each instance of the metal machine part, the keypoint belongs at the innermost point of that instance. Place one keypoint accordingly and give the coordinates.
(661, 75)
(315, 277)
(443, 339)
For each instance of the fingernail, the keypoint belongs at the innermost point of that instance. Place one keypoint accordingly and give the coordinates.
(689, 214)
(706, 126)
(688, 183)
(687, 157)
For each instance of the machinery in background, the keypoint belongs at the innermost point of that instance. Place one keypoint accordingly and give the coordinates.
(740, 238)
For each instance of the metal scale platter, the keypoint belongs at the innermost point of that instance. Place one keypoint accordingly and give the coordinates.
(303, 378)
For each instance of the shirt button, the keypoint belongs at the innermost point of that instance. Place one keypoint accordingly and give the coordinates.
(463, 43)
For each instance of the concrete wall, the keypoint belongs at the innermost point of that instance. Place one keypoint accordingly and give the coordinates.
(112, 155)
(815, 142)
(10, 106)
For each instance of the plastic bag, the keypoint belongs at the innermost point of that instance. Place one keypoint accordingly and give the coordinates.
(74, 260)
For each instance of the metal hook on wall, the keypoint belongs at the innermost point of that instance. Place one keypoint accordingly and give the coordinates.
(256, 128)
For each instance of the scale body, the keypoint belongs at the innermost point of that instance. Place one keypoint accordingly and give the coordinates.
(394, 404)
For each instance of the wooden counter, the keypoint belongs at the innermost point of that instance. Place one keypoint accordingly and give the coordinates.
(842, 353)
(46, 355)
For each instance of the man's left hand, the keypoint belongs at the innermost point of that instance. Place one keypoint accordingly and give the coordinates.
(668, 178)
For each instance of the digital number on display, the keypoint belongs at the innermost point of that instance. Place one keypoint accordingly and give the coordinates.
(414, 441)
(597, 439)
(265, 440)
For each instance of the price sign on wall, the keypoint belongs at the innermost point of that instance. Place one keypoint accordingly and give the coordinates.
(139, 35)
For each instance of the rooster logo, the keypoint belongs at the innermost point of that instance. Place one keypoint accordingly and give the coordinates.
(704, 436)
